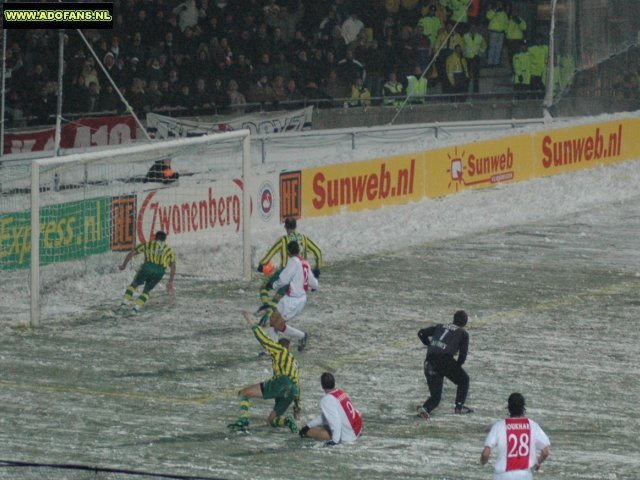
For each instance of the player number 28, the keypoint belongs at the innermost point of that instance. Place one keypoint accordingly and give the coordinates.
(518, 445)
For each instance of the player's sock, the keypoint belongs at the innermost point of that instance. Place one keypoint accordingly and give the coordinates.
(141, 301)
(244, 407)
(243, 421)
(289, 331)
(128, 294)
(287, 421)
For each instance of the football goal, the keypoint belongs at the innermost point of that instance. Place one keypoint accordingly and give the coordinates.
(67, 222)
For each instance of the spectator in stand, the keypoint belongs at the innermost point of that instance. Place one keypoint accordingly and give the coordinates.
(154, 71)
(187, 13)
(301, 68)
(448, 39)
(187, 42)
(113, 69)
(459, 13)
(90, 73)
(351, 27)
(538, 58)
(77, 99)
(431, 24)
(278, 90)
(264, 66)
(417, 86)
(137, 49)
(393, 91)
(260, 92)
(514, 34)
(421, 47)
(360, 95)
(201, 95)
(237, 100)
(138, 97)
(295, 99)
(115, 47)
(186, 100)
(349, 68)
(334, 87)
(43, 109)
(458, 75)
(328, 23)
(474, 48)
(220, 96)
(498, 23)
(522, 71)
(242, 71)
(94, 98)
(153, 100)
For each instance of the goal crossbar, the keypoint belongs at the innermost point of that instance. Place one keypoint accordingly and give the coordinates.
(166, 148)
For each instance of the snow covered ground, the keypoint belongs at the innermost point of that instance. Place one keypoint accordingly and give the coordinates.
(548, 269)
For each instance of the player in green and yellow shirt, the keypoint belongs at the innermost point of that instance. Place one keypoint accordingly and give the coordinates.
(307, 247)
(158, 256)
(283, 386)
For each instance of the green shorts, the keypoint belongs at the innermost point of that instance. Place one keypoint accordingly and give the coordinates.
(282, 389)
(149, 274)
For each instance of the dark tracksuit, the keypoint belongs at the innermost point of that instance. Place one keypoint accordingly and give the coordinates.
(444, 342)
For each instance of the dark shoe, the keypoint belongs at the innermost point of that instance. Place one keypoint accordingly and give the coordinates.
(303, 343)
(290, 422)
(240, 424)
(461, 410)
(422, 413)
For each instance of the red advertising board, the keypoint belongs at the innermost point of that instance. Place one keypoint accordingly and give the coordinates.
(86, 132)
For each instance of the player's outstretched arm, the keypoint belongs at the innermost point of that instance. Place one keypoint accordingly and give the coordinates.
(247, 318)
(129, 256)
(172, 275)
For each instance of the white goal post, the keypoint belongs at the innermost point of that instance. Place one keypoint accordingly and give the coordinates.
(84, 210)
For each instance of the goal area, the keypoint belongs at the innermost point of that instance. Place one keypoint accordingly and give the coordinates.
(66, 223)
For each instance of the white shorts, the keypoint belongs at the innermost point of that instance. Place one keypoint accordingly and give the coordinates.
(290, 307)
(514, 475)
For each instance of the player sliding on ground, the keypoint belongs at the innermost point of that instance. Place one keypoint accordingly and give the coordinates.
(283, 387)
(158, 256)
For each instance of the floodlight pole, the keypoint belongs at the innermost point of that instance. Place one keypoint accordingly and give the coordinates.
(58, 133)
(2, 101)
(548, 97)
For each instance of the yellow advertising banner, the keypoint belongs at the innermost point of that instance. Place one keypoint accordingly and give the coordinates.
(477, 165)
(576, 148)
(363, 185)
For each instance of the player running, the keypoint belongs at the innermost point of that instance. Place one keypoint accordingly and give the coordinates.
(158, 256)
(284, 386)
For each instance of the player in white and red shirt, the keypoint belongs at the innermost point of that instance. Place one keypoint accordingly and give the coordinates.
(518, 440)
(299, 279)
(339, 422)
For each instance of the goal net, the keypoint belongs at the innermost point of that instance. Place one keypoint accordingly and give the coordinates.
(66, 223)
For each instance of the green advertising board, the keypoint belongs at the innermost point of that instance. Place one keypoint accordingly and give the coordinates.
(68, 231)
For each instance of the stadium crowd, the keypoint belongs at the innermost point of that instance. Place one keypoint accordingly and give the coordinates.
(225, 56)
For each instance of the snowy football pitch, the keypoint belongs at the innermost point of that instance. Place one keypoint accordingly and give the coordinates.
(553, 314)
